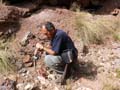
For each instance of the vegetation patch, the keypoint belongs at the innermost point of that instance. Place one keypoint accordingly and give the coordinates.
(110, 87)
(118, 73)
(5, 63)
(6, 55)
(91, 29)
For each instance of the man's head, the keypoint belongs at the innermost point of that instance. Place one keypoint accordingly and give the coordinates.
(48, 29)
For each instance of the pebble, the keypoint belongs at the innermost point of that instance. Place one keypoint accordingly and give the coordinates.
(20, 86)
(42, 80)
(29, 86)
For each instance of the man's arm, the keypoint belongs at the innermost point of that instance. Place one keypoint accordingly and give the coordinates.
(47, 49)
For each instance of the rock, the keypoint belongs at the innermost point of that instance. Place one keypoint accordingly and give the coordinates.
(116, 63)
(55, 88)
(22, 51)
(51, 77)
(29, 86)
(26, 59)
(107, 65)
(13, 77)
(115, 12)
(83, 88)
(114, 74)
(78, 86)
(19, 65)
(30, 64)
(42, 80)
(8, 84)
(26, 38)
(1, 33)
(10, 13)
(20, 86)
(101, 64)
(35, 57)
(42, 71)
(23, 75)
(101, 69)
(23, 70)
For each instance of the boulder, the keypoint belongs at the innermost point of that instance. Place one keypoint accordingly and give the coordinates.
(11, 13)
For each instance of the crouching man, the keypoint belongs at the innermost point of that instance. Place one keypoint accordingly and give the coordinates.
(59, 42)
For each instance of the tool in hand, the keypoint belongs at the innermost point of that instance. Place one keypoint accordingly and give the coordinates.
(35, 58)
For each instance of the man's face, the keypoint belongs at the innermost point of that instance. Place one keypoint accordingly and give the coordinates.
(47, 33)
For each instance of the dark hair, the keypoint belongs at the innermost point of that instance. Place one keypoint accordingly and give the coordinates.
(49, 26)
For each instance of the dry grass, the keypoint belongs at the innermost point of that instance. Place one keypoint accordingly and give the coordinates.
(118, 73)
(94, 29)
(5, 56)
(2, 3)
(5, 64)
(5, 41)
(2, 44)
(110, 87)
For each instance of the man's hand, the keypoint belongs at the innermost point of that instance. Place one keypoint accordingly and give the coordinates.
(39, 46)
(48, 46)
(46, 49)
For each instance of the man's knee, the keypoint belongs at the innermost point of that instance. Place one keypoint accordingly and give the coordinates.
(51, 60)
(48, 60)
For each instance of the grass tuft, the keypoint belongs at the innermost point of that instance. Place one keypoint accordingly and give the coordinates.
(5, 64)
(118, 73)
(94, 29)
(110, 87)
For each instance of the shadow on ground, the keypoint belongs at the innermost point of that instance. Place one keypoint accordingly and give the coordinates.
(9, 28)
(86, 70)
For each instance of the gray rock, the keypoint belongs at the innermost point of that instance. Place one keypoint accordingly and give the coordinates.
(20, 86)
(117, 62)
(29, 86)
(19, 65)
(26, 38)
(8, 85)
(23, 70)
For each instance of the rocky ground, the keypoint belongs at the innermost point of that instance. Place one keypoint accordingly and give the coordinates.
(99, 65)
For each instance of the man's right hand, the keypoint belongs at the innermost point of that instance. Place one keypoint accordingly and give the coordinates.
(39, 46)
(48, 46)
